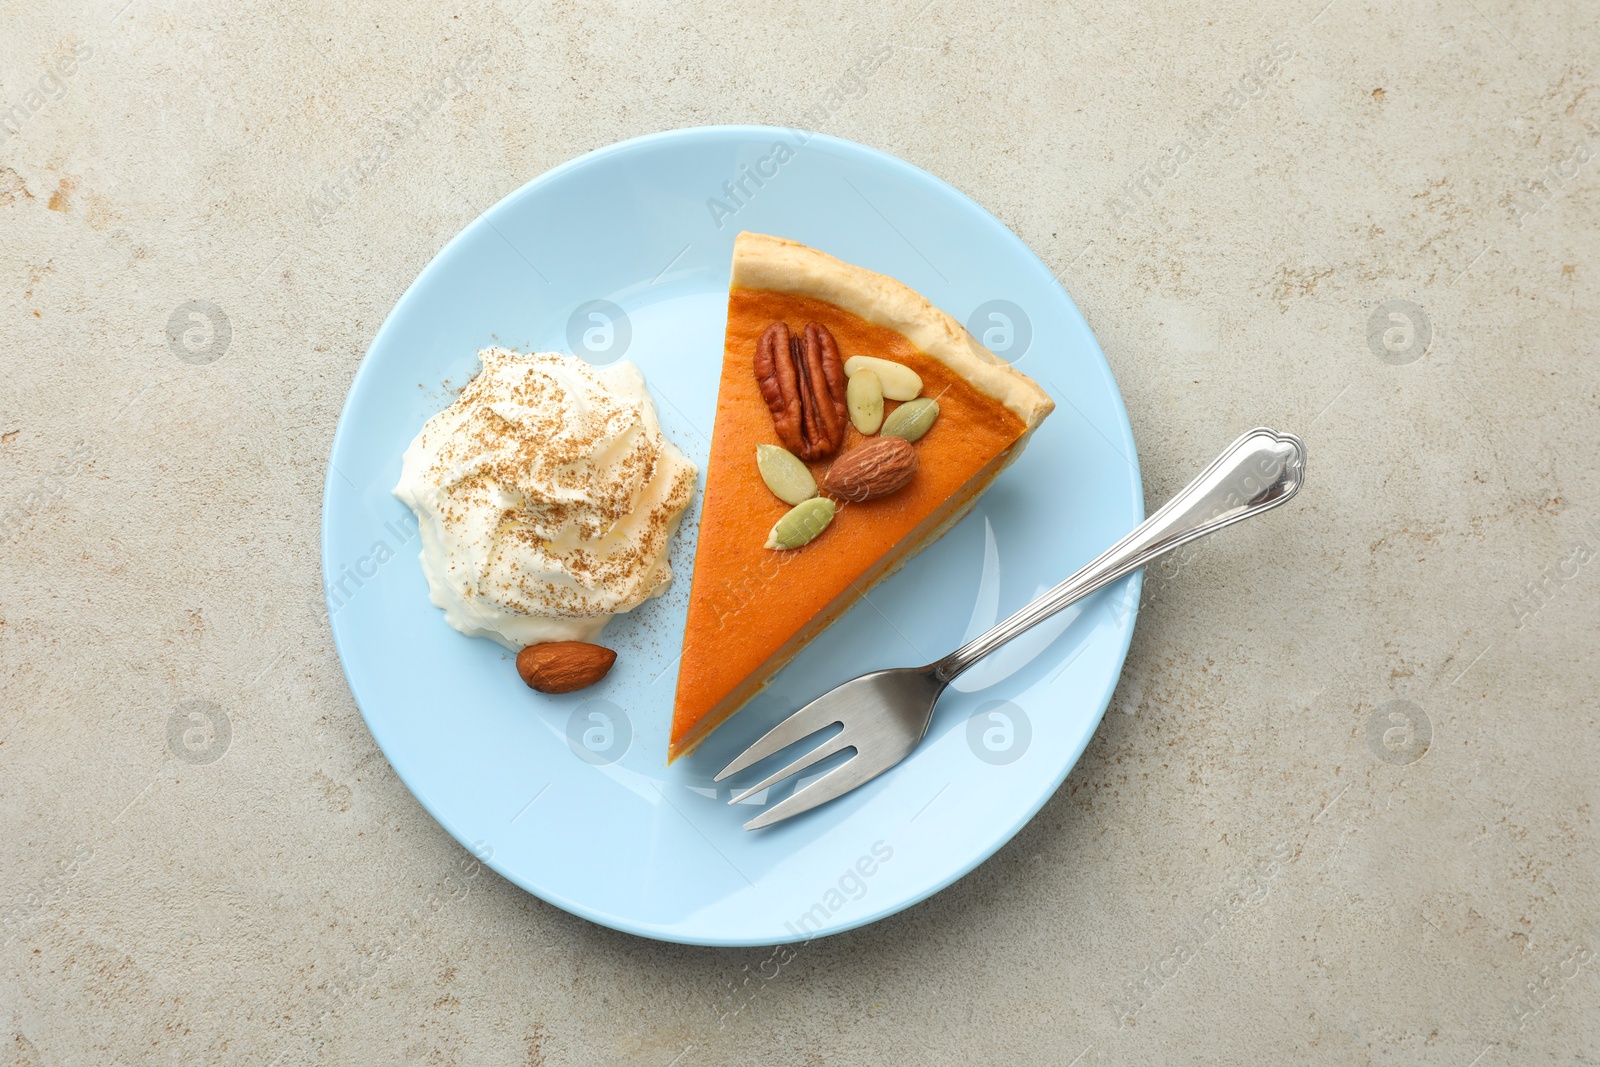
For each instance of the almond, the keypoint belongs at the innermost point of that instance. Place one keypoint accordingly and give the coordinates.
(562, 666)
(877, 468)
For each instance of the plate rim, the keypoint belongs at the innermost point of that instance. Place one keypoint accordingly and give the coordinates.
(906, 170)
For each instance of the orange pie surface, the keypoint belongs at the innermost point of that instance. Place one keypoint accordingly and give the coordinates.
(751, 608)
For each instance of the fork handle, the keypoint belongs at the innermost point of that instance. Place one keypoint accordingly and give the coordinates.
(1256, 473)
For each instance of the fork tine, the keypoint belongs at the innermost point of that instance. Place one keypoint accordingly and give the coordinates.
(857, 770)
(837, 743)
(808, 720)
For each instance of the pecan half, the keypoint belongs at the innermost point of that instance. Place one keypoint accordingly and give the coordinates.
(802, 380)
(775, 373)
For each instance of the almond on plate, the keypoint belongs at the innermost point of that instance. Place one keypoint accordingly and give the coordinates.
(562, 666)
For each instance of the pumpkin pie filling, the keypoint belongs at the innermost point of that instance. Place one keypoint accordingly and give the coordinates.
(753, 608)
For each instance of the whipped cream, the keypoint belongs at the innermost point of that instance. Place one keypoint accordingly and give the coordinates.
(547, 498)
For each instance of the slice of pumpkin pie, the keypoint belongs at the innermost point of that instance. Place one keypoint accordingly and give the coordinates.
(855, 423)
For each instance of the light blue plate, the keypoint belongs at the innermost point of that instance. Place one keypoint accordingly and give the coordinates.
(626, 252)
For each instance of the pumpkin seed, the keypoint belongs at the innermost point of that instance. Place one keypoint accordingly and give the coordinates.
(803, 522)
(788, 478)
(865, 397)
(898, 381)
(912, 419)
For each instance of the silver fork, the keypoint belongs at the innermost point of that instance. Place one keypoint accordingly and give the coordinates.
(885, 713)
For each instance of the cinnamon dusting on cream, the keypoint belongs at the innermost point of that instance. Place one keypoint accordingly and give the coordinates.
(547, 496)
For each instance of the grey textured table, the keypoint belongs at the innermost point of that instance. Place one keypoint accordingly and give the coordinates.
(1342, 809)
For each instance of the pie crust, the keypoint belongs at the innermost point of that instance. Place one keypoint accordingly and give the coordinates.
(782, 266)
